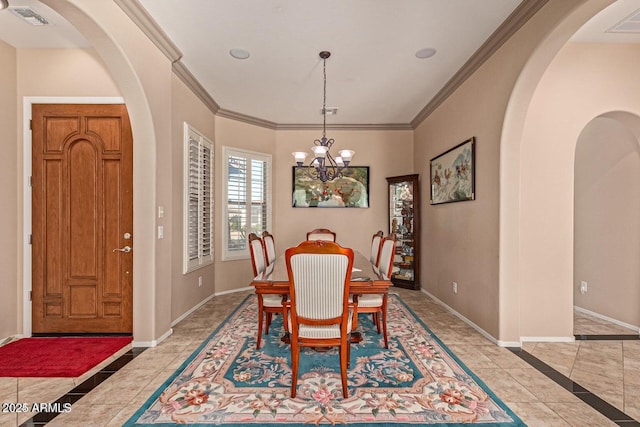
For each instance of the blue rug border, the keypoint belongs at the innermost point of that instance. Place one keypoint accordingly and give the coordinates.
(517, 422)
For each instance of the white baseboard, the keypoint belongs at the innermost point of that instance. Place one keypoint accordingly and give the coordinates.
(548, 339)
(153, 343)
(194, 308)
(635, 329)
(10, 338)
(470, 323)
(509, 343)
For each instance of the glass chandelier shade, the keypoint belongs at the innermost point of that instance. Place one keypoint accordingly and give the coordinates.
(324, 166)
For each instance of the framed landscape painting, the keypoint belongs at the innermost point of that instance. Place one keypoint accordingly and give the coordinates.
(453, 174)
(350, 190)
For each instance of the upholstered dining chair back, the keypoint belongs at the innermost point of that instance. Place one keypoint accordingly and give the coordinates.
(269, 247)
(385, 260)
(319, 276)
(376, 242)
(321, 234)
(256, 247)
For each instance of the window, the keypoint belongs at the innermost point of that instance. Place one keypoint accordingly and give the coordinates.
(247, 203)
(198, 200)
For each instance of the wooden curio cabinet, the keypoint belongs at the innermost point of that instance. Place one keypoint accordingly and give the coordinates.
(404, 223)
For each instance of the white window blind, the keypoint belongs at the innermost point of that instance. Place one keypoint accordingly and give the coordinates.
(198, 223)
(248, 199)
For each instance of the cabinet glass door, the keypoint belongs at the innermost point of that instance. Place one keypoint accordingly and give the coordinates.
(402, 224)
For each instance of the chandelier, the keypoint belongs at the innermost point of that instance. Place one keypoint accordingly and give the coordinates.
(324, 166)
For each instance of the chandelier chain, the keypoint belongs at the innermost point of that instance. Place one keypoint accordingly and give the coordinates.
(324, 98)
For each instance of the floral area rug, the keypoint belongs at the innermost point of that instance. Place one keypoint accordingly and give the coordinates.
(417, 381)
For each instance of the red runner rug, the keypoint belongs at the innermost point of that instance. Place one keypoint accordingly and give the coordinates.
(56, 357)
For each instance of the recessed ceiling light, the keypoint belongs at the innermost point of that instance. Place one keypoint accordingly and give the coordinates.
(239, 53)
(425, 53)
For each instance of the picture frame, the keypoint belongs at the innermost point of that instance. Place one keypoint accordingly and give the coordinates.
(350, 190)
(453, 174)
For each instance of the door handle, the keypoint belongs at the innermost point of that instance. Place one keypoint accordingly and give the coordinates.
(126, 249)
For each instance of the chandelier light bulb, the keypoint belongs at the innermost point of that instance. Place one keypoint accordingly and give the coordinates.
(319, 150)
(300, 157)
(346, 155)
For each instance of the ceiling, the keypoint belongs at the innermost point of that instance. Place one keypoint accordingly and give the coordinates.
(373, 74)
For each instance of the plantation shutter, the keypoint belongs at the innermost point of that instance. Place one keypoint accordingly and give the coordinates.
(198, 201)
(237, 203)
(259, 206)
(248, 202)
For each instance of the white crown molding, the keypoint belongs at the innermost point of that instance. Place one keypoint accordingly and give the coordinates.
(308, 126)
(355, 126)
(150, 27)
(183, 73)
(227, 114)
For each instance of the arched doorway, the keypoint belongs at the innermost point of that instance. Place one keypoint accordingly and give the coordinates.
(127, 77)
(606, 226)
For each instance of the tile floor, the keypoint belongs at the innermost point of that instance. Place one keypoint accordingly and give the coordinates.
(611, 369)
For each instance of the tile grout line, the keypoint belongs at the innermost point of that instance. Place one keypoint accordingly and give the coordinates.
(81, 390)
(591, 399)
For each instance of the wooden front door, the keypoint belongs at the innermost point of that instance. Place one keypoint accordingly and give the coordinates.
(82, 210)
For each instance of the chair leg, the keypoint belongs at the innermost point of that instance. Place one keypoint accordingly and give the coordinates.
(260, 314)
(344, 363)
(376, 320)
(295, 361)
(269, 323)
(384, 321)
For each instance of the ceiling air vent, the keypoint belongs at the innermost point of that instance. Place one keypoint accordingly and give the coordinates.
(30, 16)
(631, 24)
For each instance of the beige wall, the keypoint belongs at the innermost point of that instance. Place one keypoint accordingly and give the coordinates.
(460, 240)
(63, 72)
(185, 292)
(606, 225)
(583, 82)
(9, 282)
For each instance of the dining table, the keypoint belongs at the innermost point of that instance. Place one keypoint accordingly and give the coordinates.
(365, 279)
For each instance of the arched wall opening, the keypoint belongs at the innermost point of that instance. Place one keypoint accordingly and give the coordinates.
(606, 226)
(563, 87)
(98, 23)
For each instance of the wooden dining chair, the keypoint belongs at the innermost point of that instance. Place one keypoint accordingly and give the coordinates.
(318, 313)
(268, 305)
(321, 234)
(376, 242)
(269, 247)
(376, 304)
